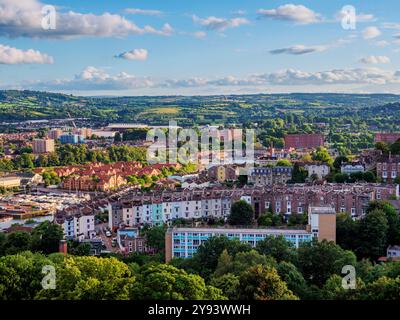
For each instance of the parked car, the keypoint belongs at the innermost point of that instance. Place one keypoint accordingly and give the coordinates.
(108, 234)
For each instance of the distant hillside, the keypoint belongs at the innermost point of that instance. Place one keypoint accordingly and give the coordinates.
(34, 105)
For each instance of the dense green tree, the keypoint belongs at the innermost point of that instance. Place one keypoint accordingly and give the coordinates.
(165, 282)
(382, 289)
(17, 242)
(395, 147)
(293, 278)
(346, 231)
(208, 253)
(277, 247)
(46, 237)
(241, 213)
(155, 237)
(299, 174)
(228, 283)
(393, 219)
(339, 161)
(90, 278)
(283, 163)
(263, 283)
(373, 234)
(383, 147)
(319, 260)
(322, 154)
(77, 248)
(21, 275)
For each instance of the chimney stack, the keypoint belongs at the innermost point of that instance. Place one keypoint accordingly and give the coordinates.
(63, 247)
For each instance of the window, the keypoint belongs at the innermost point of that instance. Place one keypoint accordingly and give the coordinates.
(300, 210)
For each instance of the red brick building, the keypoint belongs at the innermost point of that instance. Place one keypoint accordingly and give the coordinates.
(388, 168)
(304, 141)
(387, 137)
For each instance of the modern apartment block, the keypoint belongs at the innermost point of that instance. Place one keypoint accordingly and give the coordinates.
(42, 146)
(156, 208)
(184, 242)
(71, 139)
(54, 133)
(266, 176)
(304, 140)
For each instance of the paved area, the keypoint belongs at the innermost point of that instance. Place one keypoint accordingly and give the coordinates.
(106, 240)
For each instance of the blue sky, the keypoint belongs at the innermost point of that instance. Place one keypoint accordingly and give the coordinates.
(151, 47)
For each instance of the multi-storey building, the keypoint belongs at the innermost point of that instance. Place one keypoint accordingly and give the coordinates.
(304, 140)
(71, 139)
(265, 176)
(155, 208)
(320, 170)
(84, 132)
(77, 223)
(222, 173)
(130, 241)
(387, 137)
(54, 134)
(388, 168)
(184, 242)
(350, 168)
(42, 146)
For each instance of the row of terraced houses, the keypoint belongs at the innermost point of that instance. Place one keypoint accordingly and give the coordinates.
(156, 208)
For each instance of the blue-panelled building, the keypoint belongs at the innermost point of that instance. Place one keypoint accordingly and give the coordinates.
(183, 242)
(71, 139)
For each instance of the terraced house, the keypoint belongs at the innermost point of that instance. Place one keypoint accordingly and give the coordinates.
(156, 208)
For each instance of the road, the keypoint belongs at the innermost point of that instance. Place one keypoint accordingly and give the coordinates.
(107, 240)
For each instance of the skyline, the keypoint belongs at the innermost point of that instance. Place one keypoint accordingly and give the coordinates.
(156, 48)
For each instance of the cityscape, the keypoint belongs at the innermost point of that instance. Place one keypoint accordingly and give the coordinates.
(223, 152)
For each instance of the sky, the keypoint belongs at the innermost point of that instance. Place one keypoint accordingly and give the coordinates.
(199, 47)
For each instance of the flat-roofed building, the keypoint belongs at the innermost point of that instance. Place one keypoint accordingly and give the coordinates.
(42, 146)
(304, 140)
(265, 176)
(54, 134)
(10, 182)
(184, 242)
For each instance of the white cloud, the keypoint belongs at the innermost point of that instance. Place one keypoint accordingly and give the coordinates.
(92, 78)
(220, 24)
(143, 11)
(291, 12)
(10, 55)
(24, 18)
(293, 77)
(239, 12)
(299, 49)
(95, 79)
(375, 60)
(391, 25)
(199, 34)
(381, 43)
(371, 33)
(135, 54)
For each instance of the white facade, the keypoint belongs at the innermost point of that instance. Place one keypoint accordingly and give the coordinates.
(350, 168)
(321, 170)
